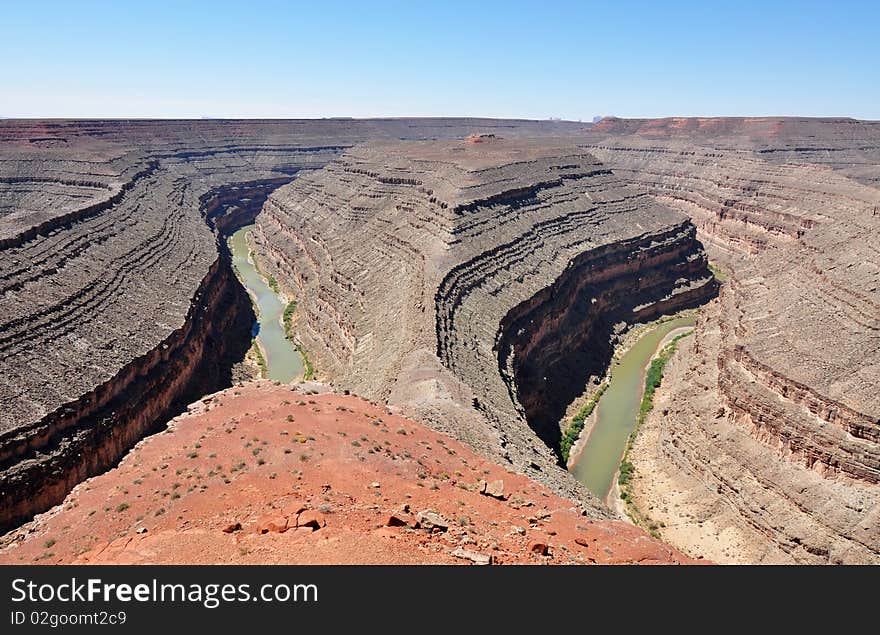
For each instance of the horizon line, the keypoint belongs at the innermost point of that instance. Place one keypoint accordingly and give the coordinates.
(589, 121)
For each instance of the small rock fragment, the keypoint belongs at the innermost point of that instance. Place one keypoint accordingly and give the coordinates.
(274, 524)
(539, 548)
(431, 520)
(474, 556)
(292, 510)
(495, 489)
(395, 521)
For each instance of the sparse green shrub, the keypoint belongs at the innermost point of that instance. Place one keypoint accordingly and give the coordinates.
(289, 310)
(310, 368)
(576, 426)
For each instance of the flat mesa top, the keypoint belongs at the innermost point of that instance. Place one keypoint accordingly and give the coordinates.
(469, 154)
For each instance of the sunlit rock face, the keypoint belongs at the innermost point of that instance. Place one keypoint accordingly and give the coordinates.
(778, 415)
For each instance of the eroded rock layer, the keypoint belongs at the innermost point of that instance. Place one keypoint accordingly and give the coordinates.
(116, 301)
(476, 285)
(792, 358)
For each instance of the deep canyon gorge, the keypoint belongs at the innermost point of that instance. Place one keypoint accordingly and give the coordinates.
(473, 276)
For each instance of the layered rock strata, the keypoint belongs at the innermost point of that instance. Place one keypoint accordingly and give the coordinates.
(476, 286)
(849, 146)
(116, 301)
(793, 358)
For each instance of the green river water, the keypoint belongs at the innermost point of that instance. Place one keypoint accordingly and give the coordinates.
(617, 411)
(283, 361)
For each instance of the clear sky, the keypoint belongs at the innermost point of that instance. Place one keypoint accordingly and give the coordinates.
(537, 59)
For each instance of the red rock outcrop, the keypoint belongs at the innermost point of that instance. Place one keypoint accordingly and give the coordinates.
(268, 474)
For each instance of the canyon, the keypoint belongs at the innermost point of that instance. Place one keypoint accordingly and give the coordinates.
(118, 303)
(477, 286)
(473, 276)
(769, 432)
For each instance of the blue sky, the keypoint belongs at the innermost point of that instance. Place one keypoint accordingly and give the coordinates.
(500, 59)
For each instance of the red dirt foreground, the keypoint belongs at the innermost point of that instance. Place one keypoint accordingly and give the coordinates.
(267, 474)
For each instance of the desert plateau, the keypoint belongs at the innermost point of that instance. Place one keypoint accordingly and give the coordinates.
(457, 296)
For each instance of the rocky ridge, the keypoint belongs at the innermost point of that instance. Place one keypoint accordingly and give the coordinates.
(790, 360)
(268, 474)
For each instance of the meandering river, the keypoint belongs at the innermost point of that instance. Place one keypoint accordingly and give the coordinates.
(283, 361)
(617, 411)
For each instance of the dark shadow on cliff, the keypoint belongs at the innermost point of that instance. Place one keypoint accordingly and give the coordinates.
(559, 339)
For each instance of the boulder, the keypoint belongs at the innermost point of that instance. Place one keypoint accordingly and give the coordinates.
(311, 518)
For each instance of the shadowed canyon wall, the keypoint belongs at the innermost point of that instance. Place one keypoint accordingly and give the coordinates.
(550, 345)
